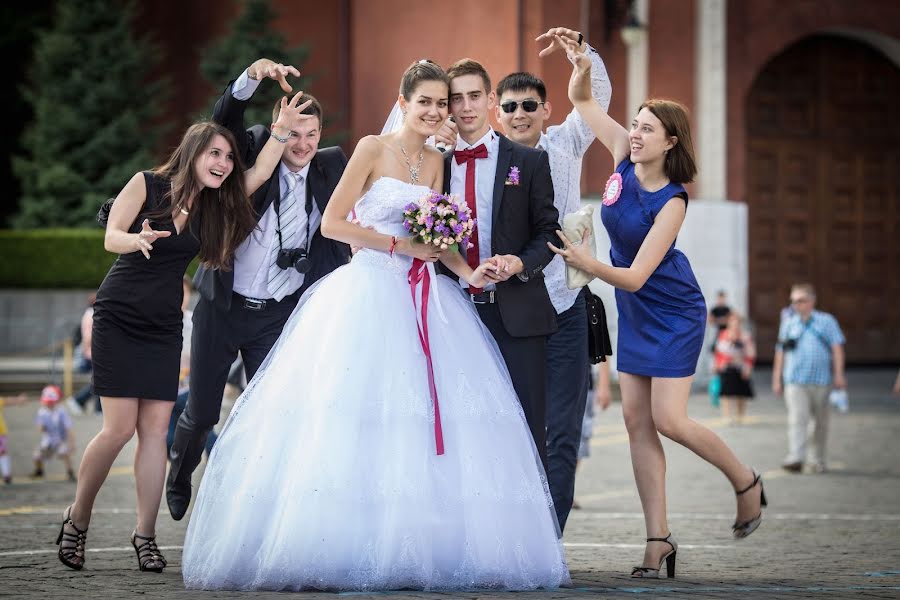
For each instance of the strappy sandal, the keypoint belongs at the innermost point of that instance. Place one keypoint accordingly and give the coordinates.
(668, 558)
(71, 545)
(148, 555)
(742, 530)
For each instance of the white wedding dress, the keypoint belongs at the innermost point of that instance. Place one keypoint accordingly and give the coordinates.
(326, 474)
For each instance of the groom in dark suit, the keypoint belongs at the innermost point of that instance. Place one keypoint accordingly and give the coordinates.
(508, 187)
(244, 310)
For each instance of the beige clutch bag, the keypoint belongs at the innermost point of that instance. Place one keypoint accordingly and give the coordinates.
(574, 226)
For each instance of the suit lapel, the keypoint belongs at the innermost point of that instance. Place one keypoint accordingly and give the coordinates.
(504, 158)
(272, 190)
(317, 184)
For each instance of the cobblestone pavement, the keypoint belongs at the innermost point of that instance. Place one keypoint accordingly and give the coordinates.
(833, 535)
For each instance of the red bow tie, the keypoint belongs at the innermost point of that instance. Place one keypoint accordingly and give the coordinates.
(479, 151)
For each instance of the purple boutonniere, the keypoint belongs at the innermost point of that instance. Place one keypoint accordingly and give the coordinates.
(512, 178)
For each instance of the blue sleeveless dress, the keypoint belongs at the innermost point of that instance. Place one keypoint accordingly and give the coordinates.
(661, 326)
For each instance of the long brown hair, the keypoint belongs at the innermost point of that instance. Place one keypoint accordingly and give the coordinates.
(225, 215)
(679, 164)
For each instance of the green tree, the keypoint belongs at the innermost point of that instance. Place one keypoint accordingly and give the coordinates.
(252, 36)
(94, 112)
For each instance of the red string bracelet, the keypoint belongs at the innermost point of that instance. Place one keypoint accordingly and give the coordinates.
(393, 245)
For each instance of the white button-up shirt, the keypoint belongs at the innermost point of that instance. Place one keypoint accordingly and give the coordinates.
(565, 145)
(485, 170)
(252, 258)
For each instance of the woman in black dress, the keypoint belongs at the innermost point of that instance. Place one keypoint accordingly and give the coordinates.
(159, 222)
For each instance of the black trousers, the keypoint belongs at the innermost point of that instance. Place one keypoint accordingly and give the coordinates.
(568, 370)
(217, 338)
(526, 360)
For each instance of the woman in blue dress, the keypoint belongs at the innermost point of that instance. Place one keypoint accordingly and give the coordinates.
(662, 315)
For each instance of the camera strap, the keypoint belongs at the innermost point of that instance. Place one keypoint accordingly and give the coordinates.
(808, 326)
(308, 207)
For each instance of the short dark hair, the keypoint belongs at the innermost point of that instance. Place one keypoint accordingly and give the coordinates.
(522, 82)
(314, 109)
(469, 66)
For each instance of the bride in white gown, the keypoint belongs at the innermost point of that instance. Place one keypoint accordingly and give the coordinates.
(327, 473)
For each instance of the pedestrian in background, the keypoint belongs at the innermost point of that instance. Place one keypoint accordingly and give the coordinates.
(733, 361)
(599, 394)
(718, 314)
(57, 436)
(809, 362)
(78, 403)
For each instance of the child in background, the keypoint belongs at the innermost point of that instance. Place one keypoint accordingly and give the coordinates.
(5, 471)
(57, 437)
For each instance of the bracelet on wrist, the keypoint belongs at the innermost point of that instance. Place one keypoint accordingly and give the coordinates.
(283, 140)
(393, 246)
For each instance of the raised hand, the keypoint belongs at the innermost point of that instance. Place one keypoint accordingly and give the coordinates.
(580, 82)
(291, 114)
(277, 71)
(144, 240)
(558, 38)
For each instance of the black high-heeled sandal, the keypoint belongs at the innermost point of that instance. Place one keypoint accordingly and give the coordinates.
(72, 553)
(148, 555)
(669, 559)
(742, 530)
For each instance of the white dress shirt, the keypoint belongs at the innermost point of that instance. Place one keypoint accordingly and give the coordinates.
(565, 145)
(485, 171)
(251, 260)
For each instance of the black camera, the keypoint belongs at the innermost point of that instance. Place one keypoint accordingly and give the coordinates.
(789, 344)
(294, 257)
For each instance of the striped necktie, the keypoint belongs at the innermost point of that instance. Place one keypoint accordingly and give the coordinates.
(290, 225)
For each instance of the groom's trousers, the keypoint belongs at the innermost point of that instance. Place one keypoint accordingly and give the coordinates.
(526, 360)
(218, 335)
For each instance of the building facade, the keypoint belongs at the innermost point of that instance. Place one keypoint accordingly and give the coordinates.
(794, 115)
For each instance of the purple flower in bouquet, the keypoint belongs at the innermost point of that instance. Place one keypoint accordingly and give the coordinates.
(439, 219)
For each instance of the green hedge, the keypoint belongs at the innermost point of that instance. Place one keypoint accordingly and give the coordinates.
(54, 258)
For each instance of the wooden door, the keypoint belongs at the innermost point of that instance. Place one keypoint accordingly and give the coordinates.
(823, 172)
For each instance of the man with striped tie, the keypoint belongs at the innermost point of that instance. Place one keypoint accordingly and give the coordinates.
(245, 309)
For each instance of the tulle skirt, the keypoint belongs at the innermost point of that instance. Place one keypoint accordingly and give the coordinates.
(326, 474)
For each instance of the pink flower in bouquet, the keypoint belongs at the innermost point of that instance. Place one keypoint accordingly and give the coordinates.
(439, 219)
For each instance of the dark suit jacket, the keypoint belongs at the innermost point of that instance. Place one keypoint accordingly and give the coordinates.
(325, 171)
(524, 219)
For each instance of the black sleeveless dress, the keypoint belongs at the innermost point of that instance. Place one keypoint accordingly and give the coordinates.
(136, 340)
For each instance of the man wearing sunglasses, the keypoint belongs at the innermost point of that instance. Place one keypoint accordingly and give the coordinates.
(523, 111)
(809, 363)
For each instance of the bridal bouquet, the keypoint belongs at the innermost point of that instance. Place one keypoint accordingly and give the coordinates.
(439, 219)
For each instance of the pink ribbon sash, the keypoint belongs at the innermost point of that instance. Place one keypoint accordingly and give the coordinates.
(417, 274)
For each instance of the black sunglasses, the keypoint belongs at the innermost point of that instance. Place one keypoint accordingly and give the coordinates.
(527, 105)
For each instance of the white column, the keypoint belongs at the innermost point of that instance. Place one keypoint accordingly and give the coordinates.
(638, 60)
(710, 116)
